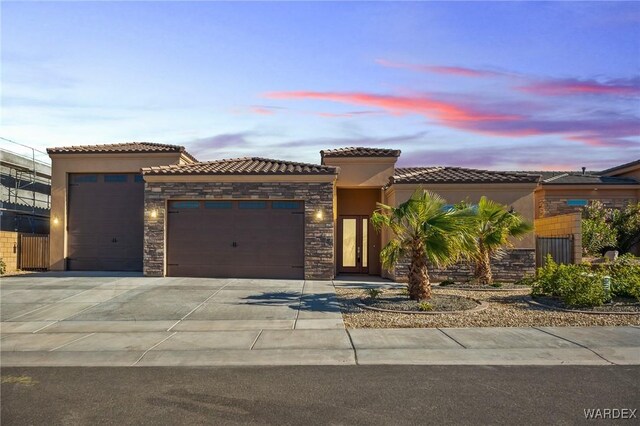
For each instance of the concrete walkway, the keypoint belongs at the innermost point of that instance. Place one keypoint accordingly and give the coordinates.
(461, 346)
(106, 320)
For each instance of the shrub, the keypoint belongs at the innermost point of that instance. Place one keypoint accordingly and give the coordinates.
(3, 267)
(373, 293)
(425, 306)
(576, 285)
(527, 280)
(496, 285)
(625, 276)
(446, 283)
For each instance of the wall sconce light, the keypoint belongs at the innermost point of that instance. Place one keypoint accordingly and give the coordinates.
(153, 214)
(319, 214)
(56, 220)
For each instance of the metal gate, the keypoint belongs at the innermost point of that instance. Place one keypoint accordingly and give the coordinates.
(33, 252)
(560, 248)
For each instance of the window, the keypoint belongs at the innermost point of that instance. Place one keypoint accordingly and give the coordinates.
(138, 179)
(285, 204)
(580, 203)
(185, 204)
(115, 178)
(217, 204)
(252, 204)
(85, 179)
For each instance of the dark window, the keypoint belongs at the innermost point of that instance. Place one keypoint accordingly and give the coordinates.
(115, 178)
(252, 204)
(217, 204)
(85, 179)
(285, 204)
(185, 204)
(579, 203)
(138, 179)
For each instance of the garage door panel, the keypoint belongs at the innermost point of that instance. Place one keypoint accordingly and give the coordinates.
(226, 238)
(105, 222)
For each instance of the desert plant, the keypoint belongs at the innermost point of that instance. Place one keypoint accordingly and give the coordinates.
(424, 231)
(496, 226)
(446, 283)
(373, 293)
(597, 232)
(625, 276)
(3, 267)
(425, 306)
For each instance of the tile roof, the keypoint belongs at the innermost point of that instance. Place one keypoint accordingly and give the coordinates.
(127, 147)
(459, 175)
(243, 166)
(359, 151)
(588, 178)
(621, 166)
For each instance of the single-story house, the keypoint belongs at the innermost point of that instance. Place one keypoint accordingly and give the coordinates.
(155, 208)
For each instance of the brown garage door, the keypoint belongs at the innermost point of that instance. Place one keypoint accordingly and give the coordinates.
(106, 222)
(243, 239)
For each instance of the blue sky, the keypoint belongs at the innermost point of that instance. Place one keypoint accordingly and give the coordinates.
(510, 85)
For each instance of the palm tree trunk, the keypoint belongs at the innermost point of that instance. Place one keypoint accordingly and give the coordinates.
(483, 268)
(419, 284)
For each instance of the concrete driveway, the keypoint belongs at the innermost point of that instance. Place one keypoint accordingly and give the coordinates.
(108, 320)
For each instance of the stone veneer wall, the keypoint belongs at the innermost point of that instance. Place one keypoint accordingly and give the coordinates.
(319, 234)
(516, 264)
(558, 206)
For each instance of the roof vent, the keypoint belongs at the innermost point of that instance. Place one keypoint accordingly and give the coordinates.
(583, 170)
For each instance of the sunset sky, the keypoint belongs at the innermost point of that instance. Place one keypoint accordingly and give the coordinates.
(499, 85)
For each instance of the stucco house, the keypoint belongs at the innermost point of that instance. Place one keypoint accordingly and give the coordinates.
(155, 208)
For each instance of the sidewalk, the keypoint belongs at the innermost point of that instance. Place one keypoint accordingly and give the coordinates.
(447, 346)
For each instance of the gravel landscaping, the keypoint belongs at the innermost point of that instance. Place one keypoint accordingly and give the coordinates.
(493, 287)
(396, 300)
(506, 309)
(618, 304)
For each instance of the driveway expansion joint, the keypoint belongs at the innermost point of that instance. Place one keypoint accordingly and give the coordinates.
(577, 344)
(355, 352)
(154, 346)
(256, 339)
(443, 332)
(73, 341)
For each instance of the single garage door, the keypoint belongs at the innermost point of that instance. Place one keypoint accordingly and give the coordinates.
(106, 222)
(241, 239)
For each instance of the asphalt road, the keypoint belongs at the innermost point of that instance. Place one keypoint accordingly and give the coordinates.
(315, 395)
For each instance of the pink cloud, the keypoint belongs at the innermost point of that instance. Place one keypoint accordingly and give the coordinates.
(440, 69)
(563, 87)
(262, 110)
(600, 130)
(429, 107)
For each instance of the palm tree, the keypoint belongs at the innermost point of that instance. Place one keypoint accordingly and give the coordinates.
(495, 228)
(425, 231)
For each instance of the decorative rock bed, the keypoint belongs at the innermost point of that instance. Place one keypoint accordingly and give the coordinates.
(397, 302)
(619, 306)
(474, 287)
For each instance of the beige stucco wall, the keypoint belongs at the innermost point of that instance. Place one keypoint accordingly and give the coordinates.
(518, 196)
(9, 250)
(64, 164)
(363, 172)
(562, 225)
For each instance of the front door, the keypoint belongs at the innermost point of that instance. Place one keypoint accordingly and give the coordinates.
(353, 239)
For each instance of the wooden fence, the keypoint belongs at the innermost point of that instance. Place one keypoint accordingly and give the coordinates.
(33, 252)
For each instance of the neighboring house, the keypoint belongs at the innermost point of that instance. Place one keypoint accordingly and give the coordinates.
(567, 192)
(153, 207)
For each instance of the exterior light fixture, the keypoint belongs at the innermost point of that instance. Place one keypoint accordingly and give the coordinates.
(56, 220)
(153, 214)
(319, 215)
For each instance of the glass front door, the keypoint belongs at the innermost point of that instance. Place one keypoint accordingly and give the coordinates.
(353, 238)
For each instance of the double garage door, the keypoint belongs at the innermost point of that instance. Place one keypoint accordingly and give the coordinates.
(236, 238)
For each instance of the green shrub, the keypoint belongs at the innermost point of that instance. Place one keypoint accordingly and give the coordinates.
(496, 285)
(446, 283)
(625, 276)
(425, 306)
(576, 285)
(527, 280)
(3, 267)
(373, 293)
